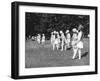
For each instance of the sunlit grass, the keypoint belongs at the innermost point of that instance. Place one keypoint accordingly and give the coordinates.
(37, 55)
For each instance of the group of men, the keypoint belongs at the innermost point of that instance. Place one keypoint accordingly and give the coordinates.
(40, 39)
(59, 40)
(62, 41)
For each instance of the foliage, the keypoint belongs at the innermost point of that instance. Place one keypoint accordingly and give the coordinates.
(46, 23)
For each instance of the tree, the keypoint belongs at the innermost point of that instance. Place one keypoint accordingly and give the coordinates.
(46, 23)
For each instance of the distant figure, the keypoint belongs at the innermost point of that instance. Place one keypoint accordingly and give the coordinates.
(39, 38)
(43, 39)
(33, 38)
(58, 41)
(29, 37)
(62, 41)
(54, 40)
(52, 37)
(68, 38)
(74, 42)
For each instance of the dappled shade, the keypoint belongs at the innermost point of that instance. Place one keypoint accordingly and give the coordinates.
(46, 23)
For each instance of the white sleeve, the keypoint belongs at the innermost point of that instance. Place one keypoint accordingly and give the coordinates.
(68, 36)
(79, 35)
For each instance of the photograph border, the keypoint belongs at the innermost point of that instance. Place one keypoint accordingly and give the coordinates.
(15, 39)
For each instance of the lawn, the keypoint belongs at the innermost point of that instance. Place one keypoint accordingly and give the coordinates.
(37, 55)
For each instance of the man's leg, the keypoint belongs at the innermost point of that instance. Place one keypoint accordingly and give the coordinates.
(65, 47)
(53, 46)
(75, 52)
(62, 47)
(57, 46)
(79, 52)
(68, 45)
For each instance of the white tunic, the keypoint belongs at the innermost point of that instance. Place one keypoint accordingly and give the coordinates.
(56, 39)
(43, 39)
(63, 39)
(74, 40)
(77, 42)
(80, 43)
(68, 38)
(38, 38)
(52, 39)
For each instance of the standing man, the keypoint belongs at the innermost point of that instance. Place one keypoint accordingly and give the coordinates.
(62, 40)
(43, 39)
(39, 38)
(74, 42)
(55, 41)
(52, 37)
(79, 42)
(58, 41)
(68, 36)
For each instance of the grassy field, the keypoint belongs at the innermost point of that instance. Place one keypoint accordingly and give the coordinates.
(37, 55)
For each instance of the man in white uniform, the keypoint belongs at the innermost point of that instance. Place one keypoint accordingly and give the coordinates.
(39, 38)
(74, 42)
(43, 39)
(67, 39)
(53, 39)
(56, 40)
(78, 44)
(62, 40)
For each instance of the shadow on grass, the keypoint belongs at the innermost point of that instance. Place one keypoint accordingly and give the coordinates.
(83, 55)
(69, 48)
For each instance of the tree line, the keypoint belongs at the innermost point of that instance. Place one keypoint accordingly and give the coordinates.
(47, 22)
